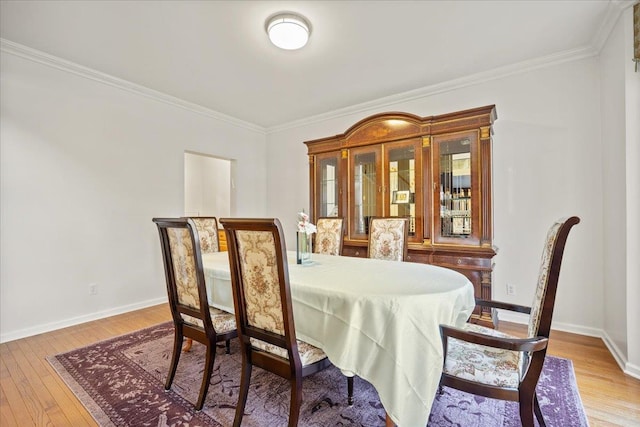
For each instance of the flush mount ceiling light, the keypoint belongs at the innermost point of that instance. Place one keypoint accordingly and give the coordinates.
(288, 31)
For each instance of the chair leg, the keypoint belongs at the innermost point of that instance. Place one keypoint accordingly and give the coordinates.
(526, 409)
(175, 357)
(245, 378)
(350, 391)
(296, 400)
(538, 411)
(206, 377)
(228, 344)
(187, 345)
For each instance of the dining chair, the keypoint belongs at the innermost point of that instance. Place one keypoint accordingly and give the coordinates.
(192, 316)
(207, 227)
(489, 363)
(388, 238)
(264, 312)
(329, 236)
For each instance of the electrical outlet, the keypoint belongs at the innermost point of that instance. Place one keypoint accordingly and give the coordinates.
(93, 289)
(511, 289)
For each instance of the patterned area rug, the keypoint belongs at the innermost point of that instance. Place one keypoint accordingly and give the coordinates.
(120, 382)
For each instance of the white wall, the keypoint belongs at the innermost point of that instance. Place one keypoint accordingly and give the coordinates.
(632, 110)
(547, 164)
(612, 75)
(85, 167)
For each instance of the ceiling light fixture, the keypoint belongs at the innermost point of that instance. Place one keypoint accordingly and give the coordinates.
(288, 30)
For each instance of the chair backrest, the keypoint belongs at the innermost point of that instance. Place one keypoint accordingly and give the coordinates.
(207, 227)
(329, 236)
(260, 284)
(184, 273)
(545, 296)
(388, 238)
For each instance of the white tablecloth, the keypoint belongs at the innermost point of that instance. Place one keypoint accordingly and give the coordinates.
(377, 319)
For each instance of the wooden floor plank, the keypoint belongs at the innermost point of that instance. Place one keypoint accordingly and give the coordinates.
(13, 409)
(25, 390)
(27, 362)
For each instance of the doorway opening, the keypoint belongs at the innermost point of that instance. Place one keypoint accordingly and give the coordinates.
(208, 185)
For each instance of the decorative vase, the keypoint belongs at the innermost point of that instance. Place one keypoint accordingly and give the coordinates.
(303, 247)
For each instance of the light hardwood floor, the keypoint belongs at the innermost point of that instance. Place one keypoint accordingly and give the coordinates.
(32, 394)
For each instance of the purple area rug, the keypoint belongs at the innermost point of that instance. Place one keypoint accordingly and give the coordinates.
(121, 383)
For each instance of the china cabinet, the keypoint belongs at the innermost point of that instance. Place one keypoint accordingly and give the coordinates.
(434, 170)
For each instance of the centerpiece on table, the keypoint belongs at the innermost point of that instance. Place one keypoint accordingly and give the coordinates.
(303, 238)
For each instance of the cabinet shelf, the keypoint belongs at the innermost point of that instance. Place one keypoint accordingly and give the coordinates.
(456, 214)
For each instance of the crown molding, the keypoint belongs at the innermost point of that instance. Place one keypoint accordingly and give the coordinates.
(614, 11)
(35, 55)
(448, 86)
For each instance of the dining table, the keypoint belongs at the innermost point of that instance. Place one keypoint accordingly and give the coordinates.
(373, 318)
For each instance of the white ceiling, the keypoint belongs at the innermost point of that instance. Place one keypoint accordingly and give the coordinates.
(216, 53)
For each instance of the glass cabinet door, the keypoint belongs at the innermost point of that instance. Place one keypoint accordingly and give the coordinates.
(456, 188)
(403, 169)
(328, 189)
(365, 190)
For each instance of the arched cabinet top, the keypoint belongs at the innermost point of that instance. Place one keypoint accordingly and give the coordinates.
(394, 126)
(385, 127)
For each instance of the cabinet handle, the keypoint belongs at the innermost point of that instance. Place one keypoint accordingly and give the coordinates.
(357, 253)
(459, 261)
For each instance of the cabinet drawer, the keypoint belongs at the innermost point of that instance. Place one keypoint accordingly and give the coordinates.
(418, 256)
(355, 251)
(461, 261)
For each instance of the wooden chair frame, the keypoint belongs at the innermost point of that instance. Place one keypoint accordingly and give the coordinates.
(537, 346)
(207, 334)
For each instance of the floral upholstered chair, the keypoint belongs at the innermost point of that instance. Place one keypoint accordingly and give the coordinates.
(264, 313)
(192, 316)
(207, 227)
(489, 363)
(388, 238)
(329, 236)
(208, 233)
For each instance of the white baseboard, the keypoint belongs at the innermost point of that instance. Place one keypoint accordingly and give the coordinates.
(27, 332)
(510, 316)
(626, 367)
(513, 317)
(618, 355)
(632, 370)
(622, 361)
